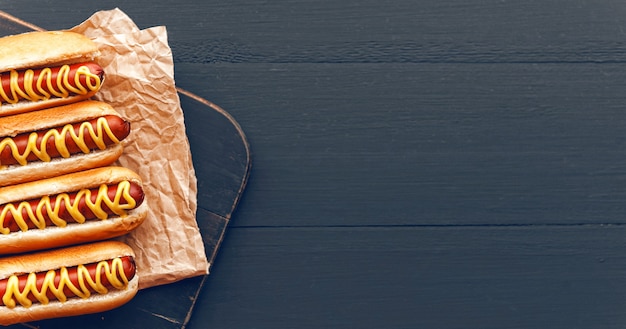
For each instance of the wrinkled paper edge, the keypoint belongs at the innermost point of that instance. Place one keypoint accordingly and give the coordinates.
(139, 83)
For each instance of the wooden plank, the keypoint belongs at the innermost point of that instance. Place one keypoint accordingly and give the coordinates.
(439, 277)
(426, 144)
(306, 31)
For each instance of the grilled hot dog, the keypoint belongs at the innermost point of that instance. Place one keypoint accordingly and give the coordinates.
(45, 69)
(59, 140)
(65, 282)
(80, 207)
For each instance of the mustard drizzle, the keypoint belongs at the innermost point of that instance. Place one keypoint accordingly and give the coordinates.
(63, 87)
(114, 274)
(97, 135)
(45, 206)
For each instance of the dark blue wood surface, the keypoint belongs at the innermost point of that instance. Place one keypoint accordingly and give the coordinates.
(416, 164)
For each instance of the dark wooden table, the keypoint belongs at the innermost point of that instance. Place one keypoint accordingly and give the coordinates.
(415, 164)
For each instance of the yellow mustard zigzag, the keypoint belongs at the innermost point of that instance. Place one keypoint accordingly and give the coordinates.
(92, 82)
(114, 274)
(45, 206)
(97, 135)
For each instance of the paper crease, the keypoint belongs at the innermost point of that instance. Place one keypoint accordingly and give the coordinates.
(139, 83)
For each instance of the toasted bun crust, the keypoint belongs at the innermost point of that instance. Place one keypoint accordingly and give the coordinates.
(54, 259)
(67, 183)
(16, 174)
(38, 49)
(44, 49)
(28, 106)
(73, 233)
(56, 117)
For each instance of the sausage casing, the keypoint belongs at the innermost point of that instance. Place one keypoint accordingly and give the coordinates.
(45, 145)
(67, 282)
(50, 82)
(78, 207)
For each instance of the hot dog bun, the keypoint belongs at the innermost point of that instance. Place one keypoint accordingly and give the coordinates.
(67, 257)
(44, 49)
(73, 233)
(36, 49)
(55, 117)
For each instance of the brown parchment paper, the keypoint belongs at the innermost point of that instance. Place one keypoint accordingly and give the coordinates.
(139, 83)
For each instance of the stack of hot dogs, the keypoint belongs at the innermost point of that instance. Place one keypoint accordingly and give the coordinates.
(62, 201)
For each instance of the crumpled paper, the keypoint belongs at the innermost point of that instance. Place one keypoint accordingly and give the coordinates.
(139, 83)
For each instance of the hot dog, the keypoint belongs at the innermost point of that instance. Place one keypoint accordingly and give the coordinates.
(58, 210)
(45, 69)
(87, 273)
(51, 82)
(69, 133)
(76, 280)
(75, 208)
(59, 140)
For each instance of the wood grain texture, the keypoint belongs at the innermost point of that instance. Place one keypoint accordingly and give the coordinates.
(452, 277)
(221, 154)
(435, 144)
(308, 31)
(416, 164)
